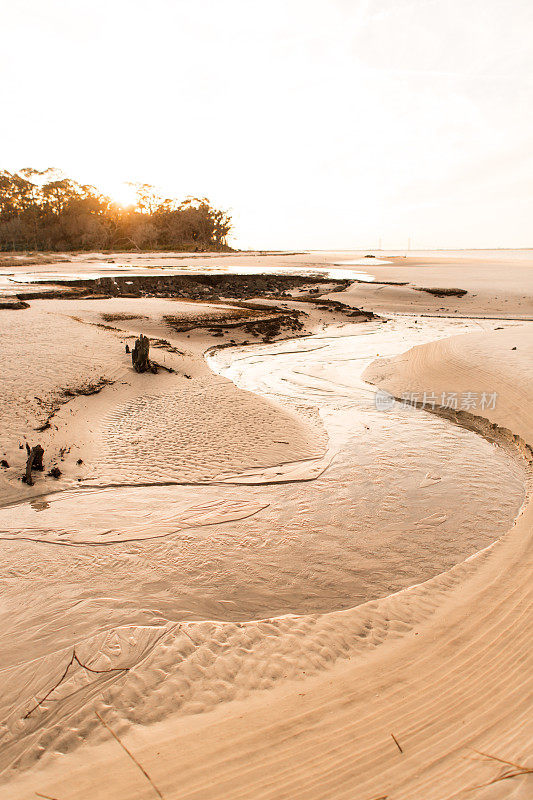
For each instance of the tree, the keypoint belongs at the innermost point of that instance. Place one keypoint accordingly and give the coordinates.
(44, 210)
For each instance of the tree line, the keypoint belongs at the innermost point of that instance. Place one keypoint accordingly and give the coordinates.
(44, 210)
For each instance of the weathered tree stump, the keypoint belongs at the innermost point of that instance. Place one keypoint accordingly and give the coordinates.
(34, 462)
(139, 355)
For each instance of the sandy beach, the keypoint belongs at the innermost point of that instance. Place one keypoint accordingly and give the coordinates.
(295, 562)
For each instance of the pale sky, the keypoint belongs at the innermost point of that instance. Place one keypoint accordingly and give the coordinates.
(317, 123)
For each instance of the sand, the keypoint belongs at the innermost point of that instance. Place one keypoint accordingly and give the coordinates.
(328, 686)
(82, 350)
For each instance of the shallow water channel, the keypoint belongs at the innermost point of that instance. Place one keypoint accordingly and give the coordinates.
(398, 497)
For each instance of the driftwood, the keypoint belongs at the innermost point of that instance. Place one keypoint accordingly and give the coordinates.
(34, 462)
(140, 355)
(156, 365)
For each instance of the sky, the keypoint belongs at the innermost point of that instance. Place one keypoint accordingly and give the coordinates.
(318, 124)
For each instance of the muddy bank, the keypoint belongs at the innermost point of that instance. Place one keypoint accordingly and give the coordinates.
(13, 305)
(256, 319)
(194, 287)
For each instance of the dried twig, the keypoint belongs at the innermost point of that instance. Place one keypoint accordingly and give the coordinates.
(130, 754)
(73, 659)
(503, 761)
(397, 743)
(46, 796)
(517, 770)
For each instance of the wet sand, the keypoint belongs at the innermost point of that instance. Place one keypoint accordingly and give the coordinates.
(255, 566)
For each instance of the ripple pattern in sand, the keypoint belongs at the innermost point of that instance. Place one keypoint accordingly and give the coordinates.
(197, 434)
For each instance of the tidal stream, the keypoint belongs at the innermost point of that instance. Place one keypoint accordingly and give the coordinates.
(399, 496)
